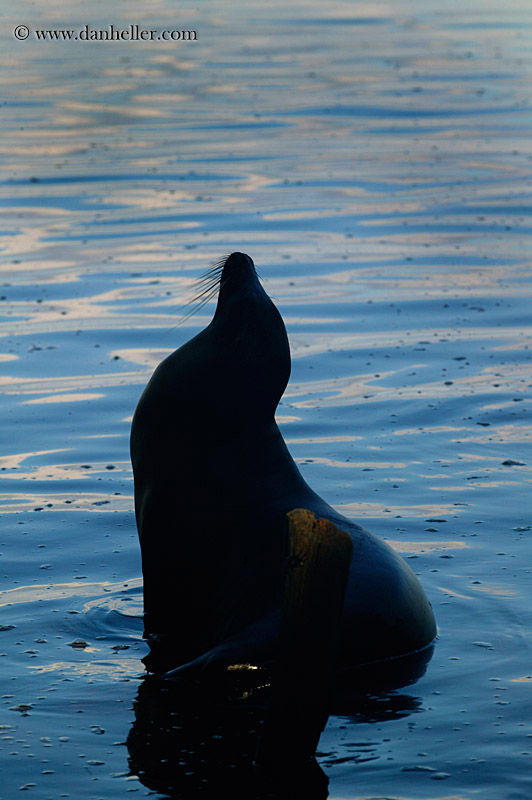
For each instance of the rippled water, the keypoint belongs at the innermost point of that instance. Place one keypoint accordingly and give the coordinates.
(376, 163)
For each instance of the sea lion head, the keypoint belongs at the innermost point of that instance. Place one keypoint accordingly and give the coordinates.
(249, 338)
(223, 385)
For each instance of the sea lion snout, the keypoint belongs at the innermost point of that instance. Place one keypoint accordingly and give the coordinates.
(239, 280)
(237, 261)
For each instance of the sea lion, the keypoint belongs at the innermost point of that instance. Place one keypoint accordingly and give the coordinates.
(214, 482)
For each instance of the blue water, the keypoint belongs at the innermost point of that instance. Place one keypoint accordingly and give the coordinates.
(376, 163)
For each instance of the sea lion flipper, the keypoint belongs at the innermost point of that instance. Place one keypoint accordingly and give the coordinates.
(318, 567)
(319, 557)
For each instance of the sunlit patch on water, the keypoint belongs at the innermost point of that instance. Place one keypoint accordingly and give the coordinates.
(117, 669)
(14, 460)
(376, 509)
(37, 593)
(511, 434)
(425, 547)
(451, 593)
(328, 462)
(65, 471)
(497, 590)
(12, 385)
(65, 398)
(364, 388)
(143, 356)
(323, 439)
(15, 503)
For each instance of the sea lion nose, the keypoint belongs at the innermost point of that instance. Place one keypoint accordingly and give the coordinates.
(236, 260)
(238, 278)
(238, 265)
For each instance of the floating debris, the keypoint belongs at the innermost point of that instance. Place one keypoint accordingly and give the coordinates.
(23, 708)
(78, 644)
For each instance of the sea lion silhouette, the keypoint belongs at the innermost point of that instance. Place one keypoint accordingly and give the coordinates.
(214, 482)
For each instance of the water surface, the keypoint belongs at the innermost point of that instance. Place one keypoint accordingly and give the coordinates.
(375, 161)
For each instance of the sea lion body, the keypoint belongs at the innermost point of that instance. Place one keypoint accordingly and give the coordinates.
(214, 482)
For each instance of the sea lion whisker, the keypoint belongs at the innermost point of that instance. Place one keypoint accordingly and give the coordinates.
(208, 277)
(203, 290)
(198, 305)
(206, 287)
(215, 268)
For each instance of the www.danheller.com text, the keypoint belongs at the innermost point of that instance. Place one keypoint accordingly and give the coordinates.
(112, 33)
